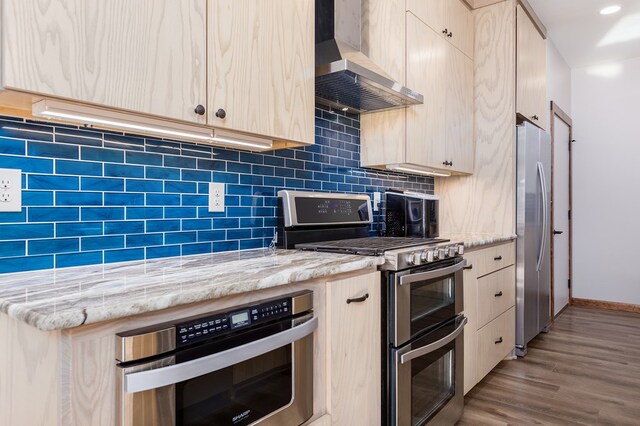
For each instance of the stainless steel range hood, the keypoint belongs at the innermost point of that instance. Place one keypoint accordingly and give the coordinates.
(345, 77)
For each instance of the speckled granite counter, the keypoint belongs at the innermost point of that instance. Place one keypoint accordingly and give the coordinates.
(475, 240)
(65, 298)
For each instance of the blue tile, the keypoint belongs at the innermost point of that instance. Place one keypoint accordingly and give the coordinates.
(69, 167)
(239, 211)
(251, 244)
(53, 150)
(123, 199)
(270, 221)
(143, 158)
(102, 154)
(114, 256)
(145, 213)
(180, 237)
(336, 178)
(251, 180)
(313, 184)
(303, 155)
(64, 135)
(163, 199)
(211, 235)
(121, 170)
(165, 173)
(127, 142)
(162, 225)
(78, 259)
(304, 174)
(12, 248)
(263, 170)
(283, 172)
(263, 211)
(102, 243)
(273, 161)
(219, 246)
(262, 232)
(200, 248)
(27, 164)
(225, 177)
(239, 167)
(251, 201)
(12, 146)
(329, 186)
(226, 154)
(180, 162)
(13, 217)
(239, 190)
(102, 184)
(195, 200)
(78, 198)
(196, 175)
(53, 182)
(224, 223)
(30, 263)
(102, 213)
(181, 187)
(78, 229)
(251, 222)
(213, 165)
(294, 183)
(238, 234)
(52, 246)
(247, 157)
(295, 164)
(164, 251)
(162, 147)
(273, 181)
(196, 224)
(231, 200)
(180, 212)
(144, 240)
(139, 185)
(54, 214)
(13, 129)
(129, 227)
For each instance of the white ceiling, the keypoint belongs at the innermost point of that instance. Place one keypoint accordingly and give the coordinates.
(586, 38)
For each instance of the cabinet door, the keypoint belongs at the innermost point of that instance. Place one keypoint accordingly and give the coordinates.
(460, 146)
(354, 363)
(426, 68)
(461, 26)
(261, 67)
(431, 12)
(470, 297)
(146, 56)
(531, 71)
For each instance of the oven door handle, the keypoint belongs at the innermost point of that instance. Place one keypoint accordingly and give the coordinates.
(404, 358)
(438, 273)
(165, 376)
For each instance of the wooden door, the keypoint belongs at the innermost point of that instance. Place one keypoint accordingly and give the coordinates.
(426, 69)
(261, 67)
(460, 146)
(354, 363)
(147, 56)
(530, 71)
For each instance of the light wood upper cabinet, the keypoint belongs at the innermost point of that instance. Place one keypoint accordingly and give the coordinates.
(530, 71)
(261, 67)
(353, 353)
(451, 19)
(147, 56)
(439, 133)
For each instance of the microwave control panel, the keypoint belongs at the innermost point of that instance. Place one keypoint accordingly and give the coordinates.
(214, 325)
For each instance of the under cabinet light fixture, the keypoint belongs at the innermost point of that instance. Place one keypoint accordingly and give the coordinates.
(117, 120)
(610, 10)
(416, 170)
(229, 138)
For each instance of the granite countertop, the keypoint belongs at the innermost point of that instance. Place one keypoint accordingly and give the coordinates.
(474, 240)
(65, 298)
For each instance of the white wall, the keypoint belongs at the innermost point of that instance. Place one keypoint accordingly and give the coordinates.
(558, 79)
(606, 188)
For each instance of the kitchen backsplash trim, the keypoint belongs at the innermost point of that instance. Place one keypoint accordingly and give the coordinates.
(92, 196)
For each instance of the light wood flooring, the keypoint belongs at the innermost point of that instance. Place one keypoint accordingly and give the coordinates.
(585, 371)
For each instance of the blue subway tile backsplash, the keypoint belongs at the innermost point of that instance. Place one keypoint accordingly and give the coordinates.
(92, 196)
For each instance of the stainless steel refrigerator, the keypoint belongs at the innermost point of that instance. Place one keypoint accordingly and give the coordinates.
(533, 256)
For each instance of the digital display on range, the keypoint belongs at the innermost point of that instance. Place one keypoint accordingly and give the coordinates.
(331, 210)
(239, 319)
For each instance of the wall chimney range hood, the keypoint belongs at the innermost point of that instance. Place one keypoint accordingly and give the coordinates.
(346, 78)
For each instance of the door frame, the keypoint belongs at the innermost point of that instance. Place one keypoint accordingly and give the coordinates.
(556, 111)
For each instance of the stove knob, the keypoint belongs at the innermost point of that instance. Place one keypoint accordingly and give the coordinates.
(411, 258)
(461, 249)
(442, 253)
(427, 256)
(451, 251)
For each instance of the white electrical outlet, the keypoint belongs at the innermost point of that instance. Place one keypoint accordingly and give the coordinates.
(216, 197)
(10, 190)
(376, 201)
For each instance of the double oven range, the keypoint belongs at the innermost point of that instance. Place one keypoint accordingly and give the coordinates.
(422, 338)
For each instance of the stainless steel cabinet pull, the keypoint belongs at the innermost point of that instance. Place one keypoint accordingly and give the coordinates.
(497, 258)
(440, 273)
(358, 299)
(404, 358)
(498, 294)
(499, 340)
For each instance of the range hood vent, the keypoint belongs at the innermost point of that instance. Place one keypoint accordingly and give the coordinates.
(346, 78)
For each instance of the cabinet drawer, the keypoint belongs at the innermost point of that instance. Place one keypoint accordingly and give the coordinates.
(495, 341)
(491, 259)
(496, 294)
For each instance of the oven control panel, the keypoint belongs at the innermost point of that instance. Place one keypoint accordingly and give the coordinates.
(207, 327)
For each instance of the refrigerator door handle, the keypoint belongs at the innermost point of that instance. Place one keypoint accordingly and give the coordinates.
(543, 240)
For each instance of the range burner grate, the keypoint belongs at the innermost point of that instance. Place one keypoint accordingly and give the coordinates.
(374, 246)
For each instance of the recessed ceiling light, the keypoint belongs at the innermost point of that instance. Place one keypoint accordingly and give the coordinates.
(609, 10)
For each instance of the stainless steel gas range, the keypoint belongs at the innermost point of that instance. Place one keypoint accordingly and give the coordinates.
(422, 341)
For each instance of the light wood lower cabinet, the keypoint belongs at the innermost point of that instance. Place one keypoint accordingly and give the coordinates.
(353, 351)
(489, 305)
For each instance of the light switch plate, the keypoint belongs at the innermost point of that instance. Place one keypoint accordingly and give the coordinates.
(10, 190)
(216, 197)
(376, 201)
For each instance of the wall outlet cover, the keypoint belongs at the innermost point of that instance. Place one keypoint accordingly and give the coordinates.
(10, 190)
(216, 197)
